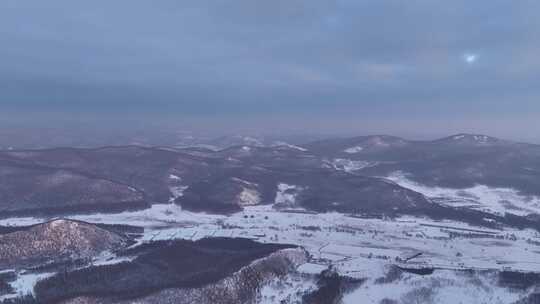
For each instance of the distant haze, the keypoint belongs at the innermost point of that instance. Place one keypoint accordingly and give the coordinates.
(418, 69)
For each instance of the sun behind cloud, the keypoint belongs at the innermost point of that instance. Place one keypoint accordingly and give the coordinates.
(470, 58)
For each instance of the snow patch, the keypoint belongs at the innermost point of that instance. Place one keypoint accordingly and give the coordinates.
(287, 145)
(357, 247)
(353, 150)
(24, 284)
(174, 177)
(442, 287)
(177, 190)
(109, 258)
(480, 197)
(20, 221)
(348, 165)
(245, 182)
(252, 141)
(288, 289)
(286, 194)
(249, 197)
(310, 268)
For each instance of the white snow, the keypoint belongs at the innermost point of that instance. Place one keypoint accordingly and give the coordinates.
(348, 165)
(478, 138)
(157, 216)
(109, 258)
(20, 221)
(442, 287)
(245, 182)
(361, 247)
(347, 242)
(286, 194)
(174, 177)
(176, 189)
(284, 144)
(354, 245)
(354, 149)
(252, 141)
(480, 197)
(176, 192)
(24, 284)
(288, 289)
(249, 197)
(311, 268)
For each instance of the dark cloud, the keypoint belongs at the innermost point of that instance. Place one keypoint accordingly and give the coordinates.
(348, 64)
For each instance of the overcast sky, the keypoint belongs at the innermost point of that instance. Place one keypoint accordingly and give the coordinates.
(413, 68)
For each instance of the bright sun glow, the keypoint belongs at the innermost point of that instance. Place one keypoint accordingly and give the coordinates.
(470, 58)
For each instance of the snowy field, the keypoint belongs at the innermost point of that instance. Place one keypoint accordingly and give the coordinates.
(442, 287)
(365, 248)
(339, 239)
(360, 247)
(480, 197)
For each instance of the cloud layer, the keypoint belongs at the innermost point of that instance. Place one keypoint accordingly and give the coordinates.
(349, 64)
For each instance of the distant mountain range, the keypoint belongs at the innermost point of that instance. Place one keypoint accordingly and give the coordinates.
(457, 161)
(235, 224)
(339, 174)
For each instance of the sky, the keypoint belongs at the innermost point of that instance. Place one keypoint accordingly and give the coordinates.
(415, 68)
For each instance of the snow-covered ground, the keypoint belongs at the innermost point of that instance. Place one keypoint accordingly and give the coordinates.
(176, 188)
(287, 145)
(356, 247)
(286, 290)
(350, 243)
(480, 197)
(24, 284)
(354, 149)
(109, 258)
(442, 287)
(348, 165)
(340, 238)
(286, 196)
